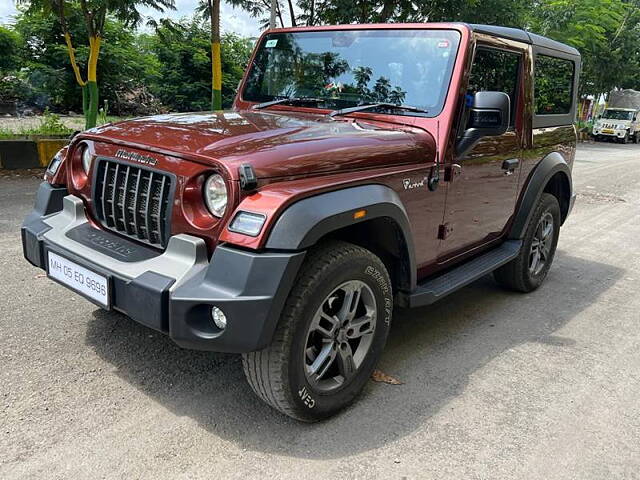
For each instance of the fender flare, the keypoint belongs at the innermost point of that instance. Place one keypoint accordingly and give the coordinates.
(544, 171)
(306, 221)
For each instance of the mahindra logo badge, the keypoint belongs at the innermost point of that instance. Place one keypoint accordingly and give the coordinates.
(136, 157)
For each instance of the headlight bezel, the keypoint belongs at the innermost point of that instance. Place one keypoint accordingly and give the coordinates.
(216, 205)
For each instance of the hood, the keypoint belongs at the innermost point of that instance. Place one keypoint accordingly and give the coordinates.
(276, 144)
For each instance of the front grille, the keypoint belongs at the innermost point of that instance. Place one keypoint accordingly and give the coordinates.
(133, 201)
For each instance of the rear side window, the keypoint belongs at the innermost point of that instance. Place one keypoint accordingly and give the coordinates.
(553, 85)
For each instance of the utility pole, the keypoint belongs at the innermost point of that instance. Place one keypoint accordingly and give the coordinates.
(272, 18)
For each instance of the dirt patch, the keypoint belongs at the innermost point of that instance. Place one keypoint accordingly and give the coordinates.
(593, 197)
(23, 173)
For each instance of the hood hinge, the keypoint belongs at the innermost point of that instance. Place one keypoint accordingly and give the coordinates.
(248, 179)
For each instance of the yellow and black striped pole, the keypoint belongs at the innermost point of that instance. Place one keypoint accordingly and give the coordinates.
(216, 59)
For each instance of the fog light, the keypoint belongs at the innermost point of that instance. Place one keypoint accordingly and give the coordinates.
(219, 318)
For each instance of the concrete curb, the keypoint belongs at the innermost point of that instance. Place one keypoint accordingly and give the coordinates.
(21, 153)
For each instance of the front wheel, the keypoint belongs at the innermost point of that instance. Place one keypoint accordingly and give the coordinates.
(528, 270)
(330, 335)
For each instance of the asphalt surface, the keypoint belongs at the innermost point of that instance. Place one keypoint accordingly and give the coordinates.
(496, 384)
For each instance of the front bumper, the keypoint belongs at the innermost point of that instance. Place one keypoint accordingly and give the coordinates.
(171, 291)
(609, 133)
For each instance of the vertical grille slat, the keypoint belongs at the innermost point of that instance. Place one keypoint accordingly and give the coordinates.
(124, 205)
(114, 188)
(146, 207)
(159, 219)
(133, 201)
(136, 203)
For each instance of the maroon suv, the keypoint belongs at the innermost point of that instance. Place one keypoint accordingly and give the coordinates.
(362, 167)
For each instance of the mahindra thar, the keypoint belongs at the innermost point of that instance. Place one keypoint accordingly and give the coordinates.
(362, 168)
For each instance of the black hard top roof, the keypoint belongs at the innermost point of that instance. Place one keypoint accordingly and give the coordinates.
(526, 37)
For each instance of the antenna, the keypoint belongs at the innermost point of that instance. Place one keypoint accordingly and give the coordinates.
(434, 178)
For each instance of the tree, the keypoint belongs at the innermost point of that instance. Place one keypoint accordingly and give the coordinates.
(183, 55)
(210, 9)
(605, 32)
(10, 44)
(94, 13)
(500, 12)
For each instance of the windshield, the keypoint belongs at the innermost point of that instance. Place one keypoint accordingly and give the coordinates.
(355, 67)
(617, 114)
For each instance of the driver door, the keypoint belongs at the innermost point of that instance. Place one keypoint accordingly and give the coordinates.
(482, 195)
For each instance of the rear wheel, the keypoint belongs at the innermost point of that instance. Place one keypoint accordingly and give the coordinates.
(330, 336)
(529, 269)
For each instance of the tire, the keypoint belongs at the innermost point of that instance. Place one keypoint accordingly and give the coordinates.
(281, 374)
(625, 139)
(521, 274)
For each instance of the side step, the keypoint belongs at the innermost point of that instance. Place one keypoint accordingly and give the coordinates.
(436, 288)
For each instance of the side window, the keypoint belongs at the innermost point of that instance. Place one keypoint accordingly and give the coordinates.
(553, 85)
(496, 71)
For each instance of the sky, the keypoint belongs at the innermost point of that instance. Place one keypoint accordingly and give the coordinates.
(231, 19)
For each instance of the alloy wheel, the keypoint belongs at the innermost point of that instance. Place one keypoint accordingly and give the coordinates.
(340, 336)
(541, 244)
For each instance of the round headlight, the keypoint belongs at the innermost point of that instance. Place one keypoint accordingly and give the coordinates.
(215, 195)
(86, 160)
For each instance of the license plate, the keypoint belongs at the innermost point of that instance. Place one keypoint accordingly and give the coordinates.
(79, 279)
(607, 130)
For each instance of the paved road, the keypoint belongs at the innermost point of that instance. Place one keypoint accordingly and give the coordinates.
(496, 385)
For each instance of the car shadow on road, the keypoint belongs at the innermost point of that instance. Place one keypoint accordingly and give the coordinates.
(433, 350)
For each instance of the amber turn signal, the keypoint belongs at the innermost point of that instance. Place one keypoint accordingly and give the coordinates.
(359, 214)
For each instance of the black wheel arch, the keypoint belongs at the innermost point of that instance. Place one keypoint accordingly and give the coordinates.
(552, 175)
(385, 229)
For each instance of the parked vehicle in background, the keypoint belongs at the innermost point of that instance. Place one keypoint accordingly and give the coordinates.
(363, 166)
(621, 119)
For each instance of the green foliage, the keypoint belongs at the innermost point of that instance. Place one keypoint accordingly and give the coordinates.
(10, 45)
(183, 52)
(170, 68)
(50, 124)
(499, 12)
(605, 31)
(13, 88)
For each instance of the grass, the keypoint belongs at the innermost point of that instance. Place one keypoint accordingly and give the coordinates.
(48, 124)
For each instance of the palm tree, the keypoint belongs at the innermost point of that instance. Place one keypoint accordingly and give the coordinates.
(362, 76)
(94, 13)
(397, 96)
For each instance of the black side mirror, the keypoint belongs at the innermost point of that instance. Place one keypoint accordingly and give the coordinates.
(489, 117)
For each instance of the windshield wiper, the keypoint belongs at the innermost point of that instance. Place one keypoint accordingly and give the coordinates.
(291, 100)
(370, 106)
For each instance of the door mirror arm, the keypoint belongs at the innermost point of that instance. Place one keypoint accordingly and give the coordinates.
(489, 117)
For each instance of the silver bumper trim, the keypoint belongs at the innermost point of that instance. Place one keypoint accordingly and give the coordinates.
(184, 256)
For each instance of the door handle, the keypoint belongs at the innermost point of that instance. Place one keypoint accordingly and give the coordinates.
(510, 165)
